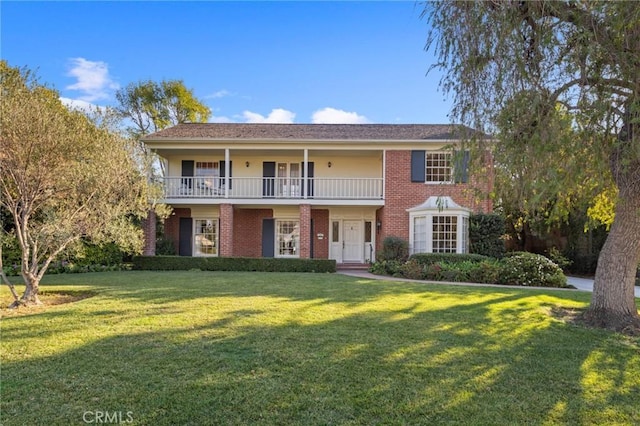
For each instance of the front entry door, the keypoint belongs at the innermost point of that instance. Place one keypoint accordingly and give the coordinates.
(352, 234)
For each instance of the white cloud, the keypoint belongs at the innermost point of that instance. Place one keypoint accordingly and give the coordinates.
(337, 116)
(277, 115)
(79, 104)
(93, 80)
(219, 94)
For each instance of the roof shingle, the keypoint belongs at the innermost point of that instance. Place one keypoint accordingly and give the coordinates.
(261, 131)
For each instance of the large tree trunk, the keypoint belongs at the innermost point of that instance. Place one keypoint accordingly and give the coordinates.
(30, 295)
(613, 303)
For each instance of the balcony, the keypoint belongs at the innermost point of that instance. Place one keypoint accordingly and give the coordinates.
(269, 188)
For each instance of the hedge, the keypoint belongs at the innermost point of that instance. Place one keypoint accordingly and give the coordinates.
(247, 264)
(427, 259)
(486, 231)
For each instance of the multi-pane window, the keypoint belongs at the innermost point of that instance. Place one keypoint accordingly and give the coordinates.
(419, 234)
(207, 175)
(438, 167)
(206, 237)
(288, 238)
(444, 234)
(465, 234)
(207, 168)
(289, 179)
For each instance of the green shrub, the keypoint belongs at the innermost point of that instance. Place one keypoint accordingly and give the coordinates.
(165, 247)
(559, 259)
(394, 248)
(433, 272)
(386, 267)
(431, 258)
(184, 263)
(529, 269)
(86, 253)
(412, 269)
(486, 233)
(487, 272)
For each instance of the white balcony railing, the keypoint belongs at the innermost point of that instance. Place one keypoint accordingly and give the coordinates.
(287, 188)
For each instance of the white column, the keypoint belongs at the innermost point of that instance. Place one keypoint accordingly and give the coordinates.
(226, 173)
(384, 170)
(305, 172)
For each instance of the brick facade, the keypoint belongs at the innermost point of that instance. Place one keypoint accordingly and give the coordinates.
(226, 230)
(172, 225)
(320, 226)
(305, 231)
(240, 229)
(402, 194)
(247, 231)
(149, 231)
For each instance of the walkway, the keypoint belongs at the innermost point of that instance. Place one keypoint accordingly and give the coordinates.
(583, 284)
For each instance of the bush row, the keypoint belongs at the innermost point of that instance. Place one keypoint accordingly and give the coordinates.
(519, 268)
(69, 268)
(183, 263)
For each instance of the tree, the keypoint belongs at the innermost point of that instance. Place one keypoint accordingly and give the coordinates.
(152, 106)
(539, 185)
(62, 178)
(584, 56)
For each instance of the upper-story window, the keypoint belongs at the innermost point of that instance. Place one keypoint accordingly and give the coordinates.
(207, 168)
(438, 167)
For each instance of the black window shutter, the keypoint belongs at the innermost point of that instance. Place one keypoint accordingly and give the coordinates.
(312, 239)
(311, 166)
(461, 166)
(223, 167)
(268, 237)
(187, 171)
(417, 166)
(185, 232)
(268, 178)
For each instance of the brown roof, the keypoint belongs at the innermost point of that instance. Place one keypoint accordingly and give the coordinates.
(262, 131)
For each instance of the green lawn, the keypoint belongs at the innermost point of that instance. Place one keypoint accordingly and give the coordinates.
(177, 348)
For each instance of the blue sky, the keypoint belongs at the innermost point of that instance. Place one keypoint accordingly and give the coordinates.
(301, 62)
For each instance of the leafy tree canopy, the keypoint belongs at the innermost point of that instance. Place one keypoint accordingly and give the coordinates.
(560, 80)
(62, 177)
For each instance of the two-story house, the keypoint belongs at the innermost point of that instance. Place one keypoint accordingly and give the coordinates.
(317, 190)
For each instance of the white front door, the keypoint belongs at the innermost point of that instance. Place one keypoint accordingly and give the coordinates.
(352, 234)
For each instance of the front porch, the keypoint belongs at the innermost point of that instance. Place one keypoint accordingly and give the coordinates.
(246, 188)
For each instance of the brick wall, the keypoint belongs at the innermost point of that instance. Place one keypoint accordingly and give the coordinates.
(305, 231)
(402, 194)
(247, 231)
(320, 226)
(149, 231)
(226, 230)
(172, 225)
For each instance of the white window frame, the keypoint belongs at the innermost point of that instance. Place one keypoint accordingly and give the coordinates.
(444, 164)
(216, 239)
(438, 207)
(280, 236)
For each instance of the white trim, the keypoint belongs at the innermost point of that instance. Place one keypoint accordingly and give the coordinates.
(437, 207)
(194, 227)
(276, 242)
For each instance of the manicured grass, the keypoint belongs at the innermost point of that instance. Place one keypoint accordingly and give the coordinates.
(174, 348)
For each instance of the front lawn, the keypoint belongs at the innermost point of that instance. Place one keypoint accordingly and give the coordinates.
(175, 348)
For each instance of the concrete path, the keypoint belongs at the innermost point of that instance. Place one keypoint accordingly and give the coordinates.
(583, 284)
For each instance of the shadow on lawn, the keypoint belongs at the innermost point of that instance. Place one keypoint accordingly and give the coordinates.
(468, 363)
